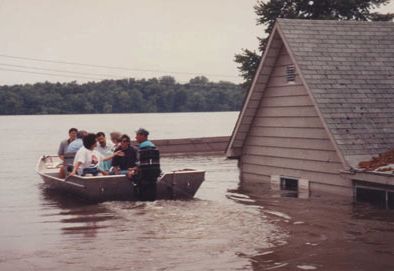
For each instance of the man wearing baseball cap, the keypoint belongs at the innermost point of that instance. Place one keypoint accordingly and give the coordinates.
(148, 168)
(142, 138)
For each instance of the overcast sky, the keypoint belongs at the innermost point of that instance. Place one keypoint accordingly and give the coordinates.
(151, 38)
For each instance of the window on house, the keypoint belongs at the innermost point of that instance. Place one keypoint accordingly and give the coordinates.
(375, 197)
(390, 199)
(382, 196)
(290, 73)
(287, 183)
(290, 186)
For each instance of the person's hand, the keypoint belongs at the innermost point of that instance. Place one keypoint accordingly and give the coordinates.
(72, 173)
(119, 153)
(117, 171)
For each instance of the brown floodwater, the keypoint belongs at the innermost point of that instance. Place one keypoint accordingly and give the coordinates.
(325, 233)
(228, 226)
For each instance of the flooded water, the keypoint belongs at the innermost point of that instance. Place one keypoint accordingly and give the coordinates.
(223, 228)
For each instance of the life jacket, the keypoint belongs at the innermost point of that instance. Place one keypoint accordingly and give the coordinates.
(149, 164)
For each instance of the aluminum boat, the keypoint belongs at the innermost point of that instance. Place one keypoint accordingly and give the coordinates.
(178, 184)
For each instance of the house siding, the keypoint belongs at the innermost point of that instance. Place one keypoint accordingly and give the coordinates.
(287, 137)
(253, 98)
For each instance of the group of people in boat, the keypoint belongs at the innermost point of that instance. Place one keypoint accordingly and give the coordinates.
(90, 154)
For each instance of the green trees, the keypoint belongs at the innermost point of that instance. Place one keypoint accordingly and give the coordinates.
(268, 11)
(121, 96)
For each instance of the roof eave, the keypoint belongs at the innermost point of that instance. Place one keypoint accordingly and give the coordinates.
(232, 152)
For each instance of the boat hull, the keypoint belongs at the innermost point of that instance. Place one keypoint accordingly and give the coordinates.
(180, 184)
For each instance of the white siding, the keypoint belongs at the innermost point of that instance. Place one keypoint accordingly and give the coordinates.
(252, 101)
(287, 137)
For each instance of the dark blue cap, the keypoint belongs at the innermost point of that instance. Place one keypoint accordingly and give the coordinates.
(142, 131)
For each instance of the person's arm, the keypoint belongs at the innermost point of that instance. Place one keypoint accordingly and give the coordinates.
(135, 157)
(75, 169)
(60, 151)
(117, 153)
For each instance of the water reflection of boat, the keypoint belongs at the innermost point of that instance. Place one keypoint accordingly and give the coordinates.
(180, 184)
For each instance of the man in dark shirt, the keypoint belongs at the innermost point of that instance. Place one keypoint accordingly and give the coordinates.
(149, 167)
(127, 161)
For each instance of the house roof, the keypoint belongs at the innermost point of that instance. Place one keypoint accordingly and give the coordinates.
(348, 69)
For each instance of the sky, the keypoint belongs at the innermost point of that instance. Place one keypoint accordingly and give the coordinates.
(90, 40)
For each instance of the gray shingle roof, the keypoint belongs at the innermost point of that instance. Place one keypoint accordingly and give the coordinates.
(349, 69)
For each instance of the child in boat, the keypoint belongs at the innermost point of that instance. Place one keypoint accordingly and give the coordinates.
(87, 159)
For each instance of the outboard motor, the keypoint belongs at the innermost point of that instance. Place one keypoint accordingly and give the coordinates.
(148, 172)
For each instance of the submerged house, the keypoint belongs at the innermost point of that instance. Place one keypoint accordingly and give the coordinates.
(321, 101)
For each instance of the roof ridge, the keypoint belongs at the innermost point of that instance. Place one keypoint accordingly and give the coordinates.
(287, 20)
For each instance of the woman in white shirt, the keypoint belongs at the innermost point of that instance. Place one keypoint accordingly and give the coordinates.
(87, 159)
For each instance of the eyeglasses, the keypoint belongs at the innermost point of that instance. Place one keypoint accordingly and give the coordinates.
(125, 141)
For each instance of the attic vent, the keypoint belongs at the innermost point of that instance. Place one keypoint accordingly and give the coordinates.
(290, 73)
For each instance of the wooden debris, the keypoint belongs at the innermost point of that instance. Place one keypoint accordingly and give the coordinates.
(381, 160)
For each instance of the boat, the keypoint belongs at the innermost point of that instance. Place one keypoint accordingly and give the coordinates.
(178, 184)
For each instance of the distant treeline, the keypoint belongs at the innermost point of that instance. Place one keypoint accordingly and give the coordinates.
(121, 96)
